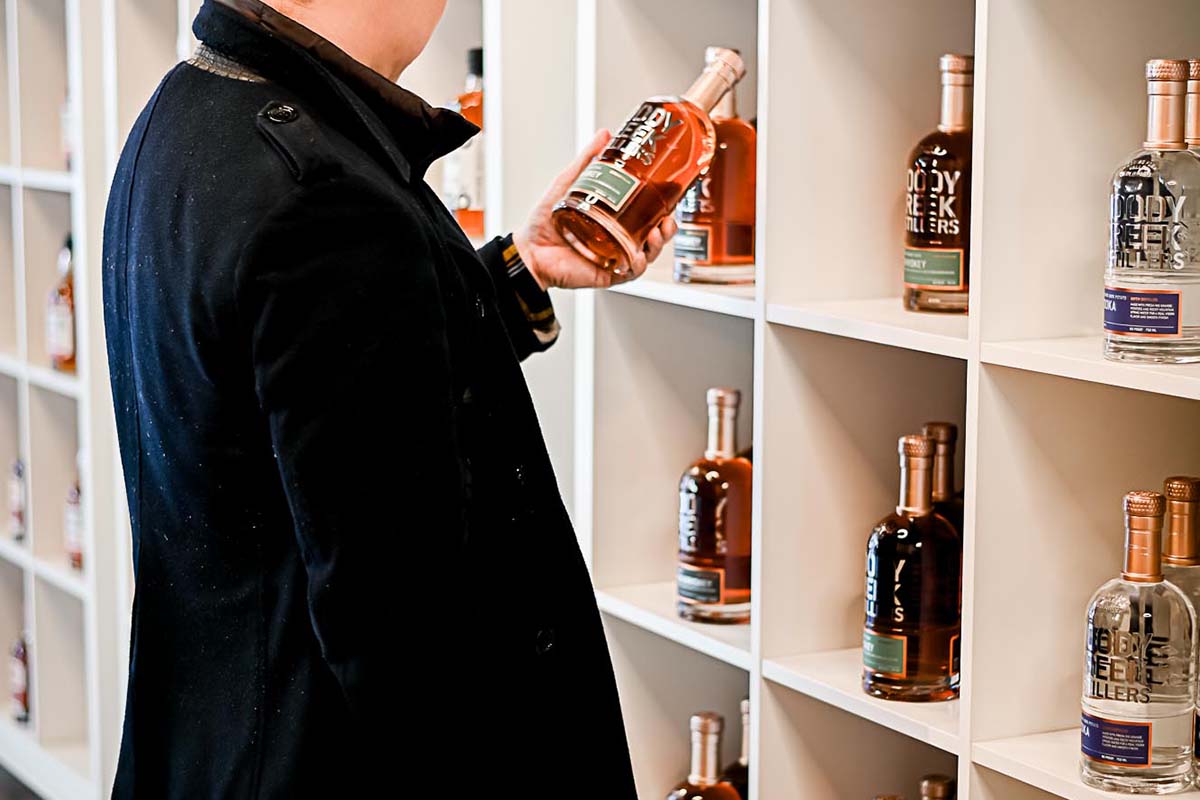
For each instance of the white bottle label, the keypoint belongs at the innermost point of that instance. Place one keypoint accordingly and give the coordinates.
(60, 331)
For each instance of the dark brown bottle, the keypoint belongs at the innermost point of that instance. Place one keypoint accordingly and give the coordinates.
(737, 774)
(937, 237)
(947, 501)
(702, 782)
(713, 573)
(913, 609)
(937, 787)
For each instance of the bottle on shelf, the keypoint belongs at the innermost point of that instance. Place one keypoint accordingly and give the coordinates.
(1181, 546)
(73, 525)
(702, 782)
(737, 774)
(1191, 127)
(1139, 683)
(715, 242)
(713, 573)
(1152, 277)
(947, 501)
(19, 681)
(463, 170)
(937, 236)
(913, 591)
(60, 312)
(17, 494)
(647, 167)
(937, 787)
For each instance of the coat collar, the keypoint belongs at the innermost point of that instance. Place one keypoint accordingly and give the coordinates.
(410, 133)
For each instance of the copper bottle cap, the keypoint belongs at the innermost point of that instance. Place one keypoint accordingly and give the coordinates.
(917, 446)
(724, 397)
(937, 787)
(707, 722)
(1183, 488)
(745, 707)
(1167, 69)
(1194, 69)
(1182, 547)
(1143, 536)
(1145, 504)
(941, 432)
(957, 69)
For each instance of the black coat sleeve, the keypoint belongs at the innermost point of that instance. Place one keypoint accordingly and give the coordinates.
(339, 298)
(526, 308)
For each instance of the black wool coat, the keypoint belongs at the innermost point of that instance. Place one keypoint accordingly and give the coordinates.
(355, 575)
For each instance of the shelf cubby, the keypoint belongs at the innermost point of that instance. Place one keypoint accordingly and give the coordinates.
(147, 47)
(53, 467)
(12, 608)
(47, 222)
(44, 80)
(59, 680)
(9, 319)
(817, 750)
(662, 684)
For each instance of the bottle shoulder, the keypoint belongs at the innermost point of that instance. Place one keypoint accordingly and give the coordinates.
(944, 145)
(709, 470)
(924, 527)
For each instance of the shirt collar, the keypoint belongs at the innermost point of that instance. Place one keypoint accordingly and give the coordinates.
(423, 133)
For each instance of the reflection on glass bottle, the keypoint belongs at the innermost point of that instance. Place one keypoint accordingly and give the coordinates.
(60, 313)
(702, 782)
(1139, 680)
(1152, 279)
(622, 196)
(713, 573)
(913, 597)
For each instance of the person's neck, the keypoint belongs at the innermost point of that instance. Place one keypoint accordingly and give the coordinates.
(352, 33)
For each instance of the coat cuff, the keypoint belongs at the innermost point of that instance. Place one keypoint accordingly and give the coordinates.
(526, 307)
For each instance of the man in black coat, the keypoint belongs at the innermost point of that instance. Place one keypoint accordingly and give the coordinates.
(346, 527)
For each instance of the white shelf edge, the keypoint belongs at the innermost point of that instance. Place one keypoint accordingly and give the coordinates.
(57, 382)
(47, 180)
(889, 714)
(39, 767)
(1069, 358)
(15, 554)
(658, 285)
(11, 366)
(688, 634)
(61, 577)
(838, 319)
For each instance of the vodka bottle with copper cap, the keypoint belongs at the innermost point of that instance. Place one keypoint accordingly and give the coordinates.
(1191, 126)
(702, 781)
(947, 500)
(937, 204)
(1139, 676)
(713, 572)
(937, 787)
(1152, 279)
(1181, 549)
(913, 592)
(644, 172)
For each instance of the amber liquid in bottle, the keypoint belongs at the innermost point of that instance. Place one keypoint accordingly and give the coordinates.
(946, 500)
(713, 573)
(702, 782)
(715, 243)
(737, 774)
(937, 238)
(913, 608)
(60, 313)
(469, 212)
(645, 171)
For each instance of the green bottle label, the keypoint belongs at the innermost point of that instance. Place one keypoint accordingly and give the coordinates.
(933, 269)
(611, 185)
(884, 654)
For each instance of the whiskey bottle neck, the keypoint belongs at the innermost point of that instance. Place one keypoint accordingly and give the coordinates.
(916, 486)
(958, 94)
(1182, 543)
(708, 89)
(1143, 549)
(1165, 115)
(706, 753)
(744, 756)
(726, 107)
(943, 473)
(1191, 126)
(722, 432)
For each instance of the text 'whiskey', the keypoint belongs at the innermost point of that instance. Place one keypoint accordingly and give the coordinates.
(937, 203)
(644, 172)
(702, 782)
(1139, 676)
(715, 242)
(913, 591)
(1152, 277)
(712, 581)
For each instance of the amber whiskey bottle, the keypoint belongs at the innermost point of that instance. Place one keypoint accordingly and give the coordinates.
(646, 169)
(715, 242)
(947, 501)
(713, 573)
(913, 610)
(737, 774)
(463, 177)
(702, 782)
(60, 313)
(19, 681)
(937, 205)
(937, 787)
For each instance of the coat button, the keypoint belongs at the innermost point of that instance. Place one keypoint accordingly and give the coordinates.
(545, 641)
(281, 113)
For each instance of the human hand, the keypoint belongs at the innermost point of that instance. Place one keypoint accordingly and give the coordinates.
(552, 261)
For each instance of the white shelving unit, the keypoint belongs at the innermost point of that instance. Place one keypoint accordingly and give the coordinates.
(831, 369)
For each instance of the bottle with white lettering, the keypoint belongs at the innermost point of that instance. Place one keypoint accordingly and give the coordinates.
(914, 591)
(937, 202)
(1139, 676)
(1152, 278)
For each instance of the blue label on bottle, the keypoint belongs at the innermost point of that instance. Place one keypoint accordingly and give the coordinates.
(1131, 312)
(1115, 742)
